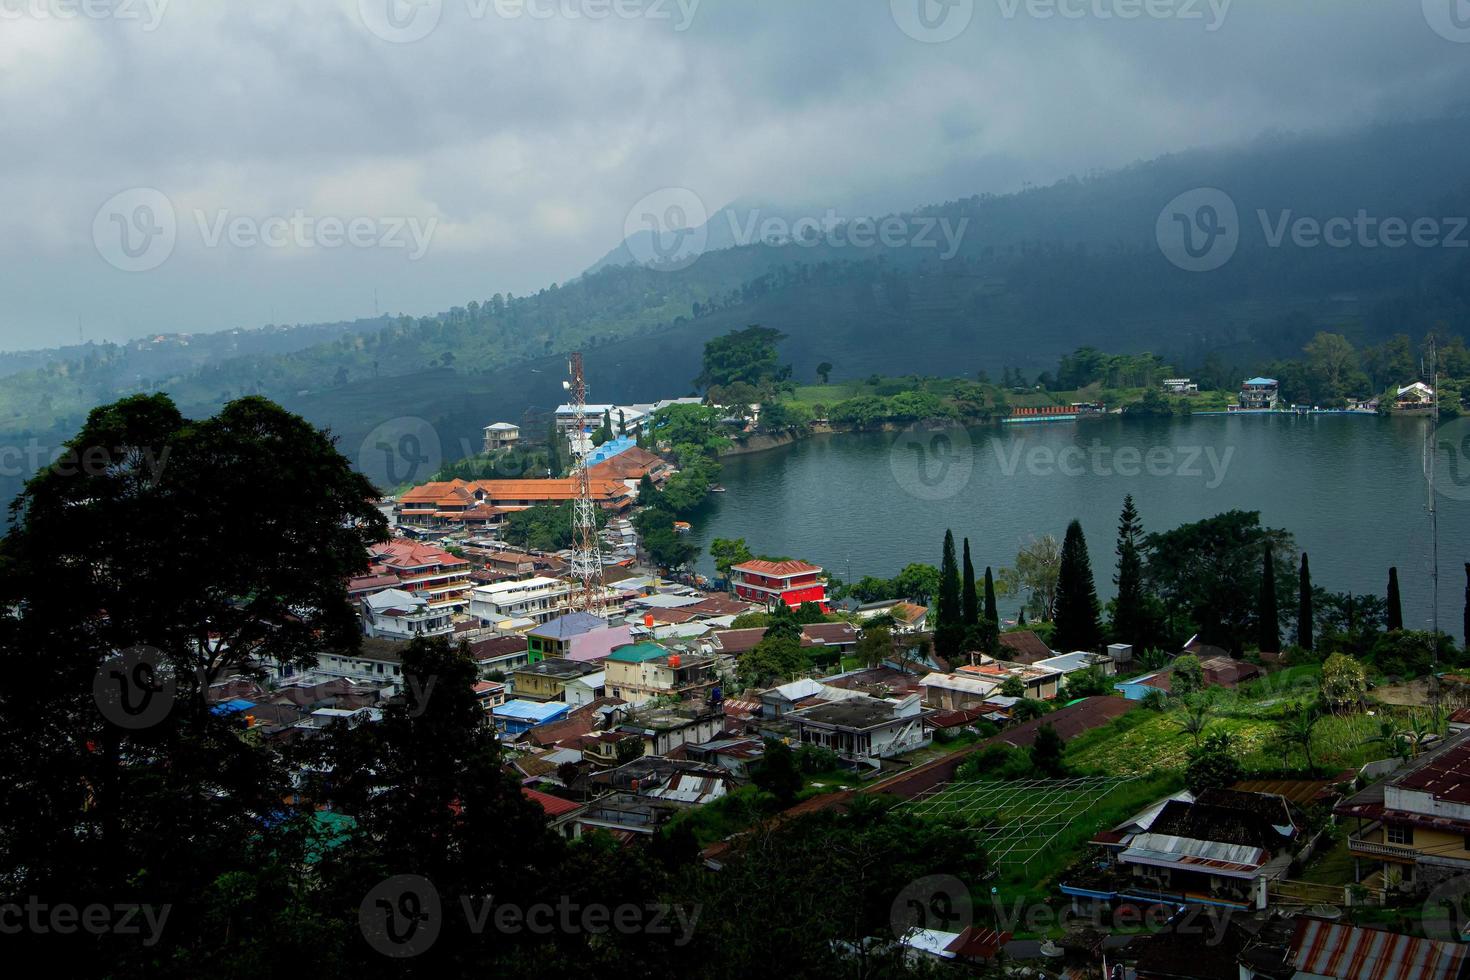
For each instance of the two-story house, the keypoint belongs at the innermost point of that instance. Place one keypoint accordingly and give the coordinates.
(644, 671)
(1414, 825)
(769, 582)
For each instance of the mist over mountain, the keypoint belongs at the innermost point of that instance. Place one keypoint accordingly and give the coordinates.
(978, 283)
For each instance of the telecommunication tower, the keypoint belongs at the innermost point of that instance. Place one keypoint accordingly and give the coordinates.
(586, 549)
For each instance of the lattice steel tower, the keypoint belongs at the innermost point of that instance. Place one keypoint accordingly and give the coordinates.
(586, 548)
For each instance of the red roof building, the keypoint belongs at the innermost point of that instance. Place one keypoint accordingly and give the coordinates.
(791, 582)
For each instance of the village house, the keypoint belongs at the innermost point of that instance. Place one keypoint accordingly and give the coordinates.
(518, 716)
(675, 780)
(501, 435)
(769, 582)
(546, 680)
(957, 692)
(376, 661)
(1180, 386)
(908, 617)
(665, 729)
(863, 730)
(577, 636)
(1038, 683)
(1220, 849)
(441, 579)
(1260, 393)
(1414, 825)
(499, 655)
(645, 671)
(561, 815)
(535, 599)
(470, 503)
(585, 689)
(1414, 399)
(397, 615)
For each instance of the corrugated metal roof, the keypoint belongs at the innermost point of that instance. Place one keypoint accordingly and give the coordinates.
(1351, 953)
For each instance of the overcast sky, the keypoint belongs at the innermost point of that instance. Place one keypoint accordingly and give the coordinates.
(502, 151)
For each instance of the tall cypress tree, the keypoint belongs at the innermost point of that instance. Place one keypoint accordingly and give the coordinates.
(1268, 639)
(991, 612)
(1395, 607)
(949, 626)
(971, 601)
(1128, 608)
(1465, 626)
(1077, 626)
(1304, 606)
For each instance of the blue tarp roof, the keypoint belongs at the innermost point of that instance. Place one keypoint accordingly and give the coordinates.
(233, 706)
(531, 710)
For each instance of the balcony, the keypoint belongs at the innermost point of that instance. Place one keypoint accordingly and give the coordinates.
(1378, 849)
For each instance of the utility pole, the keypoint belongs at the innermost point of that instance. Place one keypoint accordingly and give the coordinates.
(586, 548)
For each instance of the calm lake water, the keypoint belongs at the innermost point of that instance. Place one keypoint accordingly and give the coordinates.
(1350, 489)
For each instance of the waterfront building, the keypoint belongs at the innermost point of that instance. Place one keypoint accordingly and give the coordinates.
(769, 582)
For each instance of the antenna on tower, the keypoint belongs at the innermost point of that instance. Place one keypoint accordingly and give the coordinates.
(586, 550)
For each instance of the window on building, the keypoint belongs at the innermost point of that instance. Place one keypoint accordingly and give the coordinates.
(1395, 834)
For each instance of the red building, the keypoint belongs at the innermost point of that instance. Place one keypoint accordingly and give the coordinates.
(792, 582)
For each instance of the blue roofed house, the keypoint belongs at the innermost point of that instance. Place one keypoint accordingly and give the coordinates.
(1259, 393)
(516, 717)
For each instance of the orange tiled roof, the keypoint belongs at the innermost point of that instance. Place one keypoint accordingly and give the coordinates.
(461, 493)
(777, 569)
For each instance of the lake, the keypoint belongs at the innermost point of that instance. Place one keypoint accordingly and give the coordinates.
(1351, 489)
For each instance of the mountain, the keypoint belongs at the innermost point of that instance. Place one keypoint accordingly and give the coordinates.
(1032, 276)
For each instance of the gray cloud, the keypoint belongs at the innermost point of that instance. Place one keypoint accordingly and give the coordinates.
(526, 140)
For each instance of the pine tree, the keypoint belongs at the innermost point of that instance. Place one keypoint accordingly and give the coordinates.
(971, 601)
(1304, 606)
(1465, 626)
(1021, 619)
(949, 626)
(1128, 608)
(1077, 626)
(1395, 607)
(1268, 638)
(991, 612)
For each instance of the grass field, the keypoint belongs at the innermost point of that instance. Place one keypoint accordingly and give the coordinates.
(1143, 741)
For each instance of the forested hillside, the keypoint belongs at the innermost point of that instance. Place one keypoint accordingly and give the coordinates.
(1035, 276)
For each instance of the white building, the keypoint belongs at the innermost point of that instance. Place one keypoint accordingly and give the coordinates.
(501, 435)
(863, 730)
(397, 615)
(586, 689)
(536, 599)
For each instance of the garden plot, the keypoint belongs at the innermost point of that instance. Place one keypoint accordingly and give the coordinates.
(1018, 820)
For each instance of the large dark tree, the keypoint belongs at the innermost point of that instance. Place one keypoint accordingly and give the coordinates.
(1268, 617)
(1209, 574)
(218, 545)
(1395, 606)
(1129, 606)
(1077, 625)
(1304, 612)
(1465, 626)
(971, 597)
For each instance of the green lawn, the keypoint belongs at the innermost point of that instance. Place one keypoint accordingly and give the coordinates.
(1143, 741)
